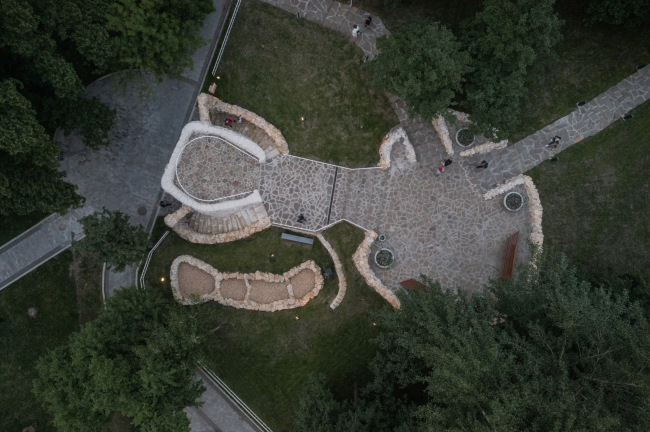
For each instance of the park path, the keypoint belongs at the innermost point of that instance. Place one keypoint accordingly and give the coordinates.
(126, 174)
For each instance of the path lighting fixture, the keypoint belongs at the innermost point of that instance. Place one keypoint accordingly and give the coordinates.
(272, 255)
(297, 318)
(374, 324)
(162, 279)
(218, 77)
(302, 118)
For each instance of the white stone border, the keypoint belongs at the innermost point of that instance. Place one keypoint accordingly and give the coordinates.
(486, 147)
(393, 136)
(440, 125)
(360, 259)
(232, 137)
(206, 102)
(534, 203)
(248, 304)
(340, 273)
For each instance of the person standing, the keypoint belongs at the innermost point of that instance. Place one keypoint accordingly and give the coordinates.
(368, 21)
(440, 170)
(483, 164)
(554, 142)
(355, 31)
(228, 122)
(447, 162)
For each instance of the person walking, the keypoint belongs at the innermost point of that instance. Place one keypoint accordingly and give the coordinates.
(447, 162)
(484, 164)
(440, 170)
(240, 120)
(355, 31)
(368, 21)
(228, 122)
(554, 142)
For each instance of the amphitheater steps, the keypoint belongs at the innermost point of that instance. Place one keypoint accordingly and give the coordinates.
(249, 130)
(229, 222)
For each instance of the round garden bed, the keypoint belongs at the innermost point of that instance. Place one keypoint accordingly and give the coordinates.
(513, 201)
(384, 258)
(464, 138)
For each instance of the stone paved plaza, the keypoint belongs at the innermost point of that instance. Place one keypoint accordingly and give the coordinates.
(209, 168)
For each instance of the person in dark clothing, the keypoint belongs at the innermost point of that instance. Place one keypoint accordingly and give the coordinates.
(301, 218)
(228, 122)
(448, 162)
(484, 164)
(554, 142)
(368, 21)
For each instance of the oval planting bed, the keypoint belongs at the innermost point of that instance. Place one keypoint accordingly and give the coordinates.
(384, 258)
(194, 281)
(513, 201)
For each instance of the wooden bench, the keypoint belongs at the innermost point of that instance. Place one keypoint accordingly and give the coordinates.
(413, 285)
(298, 239)
(509, 256)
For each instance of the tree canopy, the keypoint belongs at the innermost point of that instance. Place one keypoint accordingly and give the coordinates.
(544, 352)
(49, 50)
(505, 39)
(136, 358)
(423, 64)
(631, 13)
(113, 238)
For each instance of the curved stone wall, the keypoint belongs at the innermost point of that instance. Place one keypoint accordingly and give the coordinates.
(244, 290)
(396, 134)
(360, 259)
(340, 273)
(207, 102)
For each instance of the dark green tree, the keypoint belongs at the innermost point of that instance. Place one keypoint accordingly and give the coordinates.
(423, 64)
(113, 238)
(505, 41)
(136, 358)
(631, 13)
(317, 411)
(544, 352)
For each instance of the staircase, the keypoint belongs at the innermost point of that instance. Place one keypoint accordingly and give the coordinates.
(228, 222)
(249, 130)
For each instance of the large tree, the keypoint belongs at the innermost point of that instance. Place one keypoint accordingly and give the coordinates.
(115, 241)
(631, 13)
(543, 352)
(505, 40)
(136, 358)
(423, 64)
(48, 51)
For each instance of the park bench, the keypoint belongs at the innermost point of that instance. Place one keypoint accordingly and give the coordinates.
(413, 285)
(509, 256)
(298, 239)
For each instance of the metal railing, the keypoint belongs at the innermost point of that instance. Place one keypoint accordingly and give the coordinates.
(146, 264)
(225, 38)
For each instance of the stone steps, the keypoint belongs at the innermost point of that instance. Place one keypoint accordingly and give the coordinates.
(221, 224)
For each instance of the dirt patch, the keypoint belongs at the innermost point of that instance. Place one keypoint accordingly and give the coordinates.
(233, 289)
(194, 281)
(87, 272)
(268, 292)
(303, 283)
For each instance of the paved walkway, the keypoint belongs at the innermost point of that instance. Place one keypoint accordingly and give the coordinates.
(124, 175)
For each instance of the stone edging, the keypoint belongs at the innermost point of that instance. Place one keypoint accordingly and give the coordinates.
(360, 259)
(534, 203)
(197, 127)
(486, 147)
(289, 303)
(395, 134)
(206, 102)
(339, 271)
(440, 125)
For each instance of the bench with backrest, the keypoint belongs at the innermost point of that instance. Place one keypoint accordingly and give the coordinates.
(509, 256)
(298, 239)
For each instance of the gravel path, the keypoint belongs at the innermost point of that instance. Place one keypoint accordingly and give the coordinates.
(303, 283)
(192, 280)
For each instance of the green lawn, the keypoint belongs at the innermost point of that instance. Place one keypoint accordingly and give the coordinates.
(266, 357)
(66, 294)
(591, 59)
(14, 225)
(284, 69)
(596, 198)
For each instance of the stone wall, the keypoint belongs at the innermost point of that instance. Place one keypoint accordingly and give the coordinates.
(183, 230)
(208, 103)
(440, 125)
(360, 259)
(340, 273)
(534, 203)
(486, 147)
(396, 134)
(289, 303)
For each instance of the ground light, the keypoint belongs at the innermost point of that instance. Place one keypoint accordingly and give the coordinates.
(162, 279)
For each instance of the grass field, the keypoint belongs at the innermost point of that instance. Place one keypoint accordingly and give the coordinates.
(266, 357)
(284, 69)
(590, 59)
(596, 198)
(14, 225)
(52, 290)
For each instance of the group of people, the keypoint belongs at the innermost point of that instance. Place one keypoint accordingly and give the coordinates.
(356, 31)
(228, 121)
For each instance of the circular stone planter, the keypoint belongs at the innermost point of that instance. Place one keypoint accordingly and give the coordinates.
(513, 201)
(384, 258)
(462, 144)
